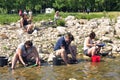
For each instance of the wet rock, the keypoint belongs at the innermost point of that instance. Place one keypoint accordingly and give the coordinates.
(72, 79)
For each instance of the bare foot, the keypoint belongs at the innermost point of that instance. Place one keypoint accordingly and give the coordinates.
(68, 64)
(25, 30)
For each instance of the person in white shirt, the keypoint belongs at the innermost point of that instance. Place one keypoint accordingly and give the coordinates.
(90, 48)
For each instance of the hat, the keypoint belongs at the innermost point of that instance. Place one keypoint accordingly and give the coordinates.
(25, 12)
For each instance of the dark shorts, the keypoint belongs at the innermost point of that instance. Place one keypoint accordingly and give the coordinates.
(25, 59)
(86, 53)
(68, 51)
(25, 27)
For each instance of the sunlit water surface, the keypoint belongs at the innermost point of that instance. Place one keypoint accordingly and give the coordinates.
(109, 69)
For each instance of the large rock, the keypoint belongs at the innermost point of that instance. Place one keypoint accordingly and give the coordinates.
(92, 25)
(69, 18)
(105, 39)
(61, 29)
(118, 19)
(105, 22)
(117, 28)
(103, 30)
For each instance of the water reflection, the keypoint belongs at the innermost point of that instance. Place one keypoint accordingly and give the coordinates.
(84, 70)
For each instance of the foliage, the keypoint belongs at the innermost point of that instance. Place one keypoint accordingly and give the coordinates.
(2, 11)
(62, 5)
(60, 22)
(8, 18)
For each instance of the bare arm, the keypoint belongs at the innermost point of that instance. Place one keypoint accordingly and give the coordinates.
(21, 23)
(88, 43)
(20, 56)
(36, 55)
(30, 18)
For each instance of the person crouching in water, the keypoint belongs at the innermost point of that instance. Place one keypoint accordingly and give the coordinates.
(24, 52)
(90, 48)
(25, 23)
(62, 48)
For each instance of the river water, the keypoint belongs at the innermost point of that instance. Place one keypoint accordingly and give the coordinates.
(108, 69)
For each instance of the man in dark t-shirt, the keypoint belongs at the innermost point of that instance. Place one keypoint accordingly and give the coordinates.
(62, 47)
(61, 42)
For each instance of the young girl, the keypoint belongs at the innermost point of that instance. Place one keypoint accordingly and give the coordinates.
(90, 47)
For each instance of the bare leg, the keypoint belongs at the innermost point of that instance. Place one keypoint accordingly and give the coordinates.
(37, 56)
(92, 51)
(14, 60)
(29, 27)
(63, 55)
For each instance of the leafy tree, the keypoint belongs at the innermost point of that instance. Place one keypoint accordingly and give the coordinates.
(63, 5)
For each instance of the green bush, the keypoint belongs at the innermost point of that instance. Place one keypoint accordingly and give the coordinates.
(60, 22)
(8, 18)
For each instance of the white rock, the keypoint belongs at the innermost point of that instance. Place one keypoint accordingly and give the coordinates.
(61, 29)
(69, 18)
(72, 79)
(12, 24)
(50, 58)
(35, 32)
(118, 21)
(103, 38)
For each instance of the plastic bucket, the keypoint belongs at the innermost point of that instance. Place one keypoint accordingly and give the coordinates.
(57, 61)
(3, 61)
(95, 58)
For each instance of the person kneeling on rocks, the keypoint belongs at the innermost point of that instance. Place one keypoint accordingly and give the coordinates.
(63, 48)
(25, 51)
(90, 47)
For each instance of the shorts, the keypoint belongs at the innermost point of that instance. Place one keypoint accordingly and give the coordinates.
(57, 52)
(68, 51)
(25, 26)
(25, 59)
(86, 53)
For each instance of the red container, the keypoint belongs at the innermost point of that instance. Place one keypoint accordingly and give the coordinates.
(95, 58)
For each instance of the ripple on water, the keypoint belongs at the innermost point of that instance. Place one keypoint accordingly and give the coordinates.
(84, 70)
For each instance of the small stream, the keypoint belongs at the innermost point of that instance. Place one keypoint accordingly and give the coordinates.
(108, 69)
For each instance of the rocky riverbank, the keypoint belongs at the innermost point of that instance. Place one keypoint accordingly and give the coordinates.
(44, 37)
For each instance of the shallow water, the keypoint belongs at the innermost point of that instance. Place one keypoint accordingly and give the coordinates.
(109, 69)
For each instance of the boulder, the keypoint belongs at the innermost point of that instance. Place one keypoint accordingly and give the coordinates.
(105, 39)
(69, 18)
(117, 28)
(61, 29)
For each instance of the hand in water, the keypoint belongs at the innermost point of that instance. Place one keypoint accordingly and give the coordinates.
(25, 65)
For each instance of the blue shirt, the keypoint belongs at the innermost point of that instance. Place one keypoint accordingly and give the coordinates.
(61, 42)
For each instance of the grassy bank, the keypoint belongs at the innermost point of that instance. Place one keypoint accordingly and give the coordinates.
(8, 18)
